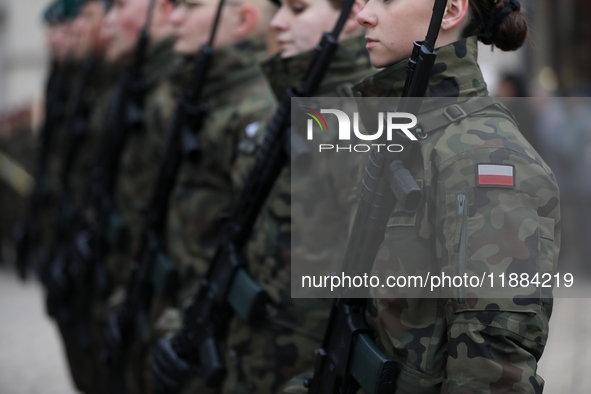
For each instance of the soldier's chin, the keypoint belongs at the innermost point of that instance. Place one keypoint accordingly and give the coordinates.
(288, 51)
(112, 54)
(379, 59)
(183, 49)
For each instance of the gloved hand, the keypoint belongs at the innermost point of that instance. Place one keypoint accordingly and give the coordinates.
(59, 287)
(113, 346)
(169, 370)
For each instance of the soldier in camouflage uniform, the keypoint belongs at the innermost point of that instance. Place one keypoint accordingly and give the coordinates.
(466, 223)
(90, 81)
(263, 359)
(140, 157)
(59, 17)
(238, 99)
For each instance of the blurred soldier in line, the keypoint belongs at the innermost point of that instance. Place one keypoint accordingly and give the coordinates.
(238, 99)
(62, 44)
(89, 79)
(37, 226)
(142, 154)
(263, 359)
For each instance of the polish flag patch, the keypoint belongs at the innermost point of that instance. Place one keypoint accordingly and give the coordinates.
(495, 175)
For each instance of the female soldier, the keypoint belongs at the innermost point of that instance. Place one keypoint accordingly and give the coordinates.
(468, 221)
(262, 359)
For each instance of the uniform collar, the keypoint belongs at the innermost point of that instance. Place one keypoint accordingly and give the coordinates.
(234, 64)
(455, 74)
(350, 63)
(160, 59)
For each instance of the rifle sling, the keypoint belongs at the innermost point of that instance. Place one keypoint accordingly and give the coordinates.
(455, 112)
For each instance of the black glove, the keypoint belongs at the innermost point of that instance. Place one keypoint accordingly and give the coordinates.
(113, 347)
(59, 287)
(169, 370)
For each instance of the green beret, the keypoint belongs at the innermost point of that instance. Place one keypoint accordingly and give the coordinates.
(61, 11)
(52, 12)
(105, 3)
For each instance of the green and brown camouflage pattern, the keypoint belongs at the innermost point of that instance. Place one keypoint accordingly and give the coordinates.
(142, 155)
(138, 171)
(262, 360)
(472, 345)
(239, 98)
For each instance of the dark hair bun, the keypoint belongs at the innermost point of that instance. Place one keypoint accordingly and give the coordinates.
(510, 32)
(499, 23)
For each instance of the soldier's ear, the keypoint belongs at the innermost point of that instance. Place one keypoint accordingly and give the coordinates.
(455, 13)
(247, 20)
(166, 7)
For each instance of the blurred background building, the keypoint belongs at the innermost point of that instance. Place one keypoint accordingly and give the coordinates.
(23, 56)
(557, 59)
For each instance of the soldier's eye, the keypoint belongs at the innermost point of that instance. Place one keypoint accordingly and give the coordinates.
(190, 3)
(298, 7)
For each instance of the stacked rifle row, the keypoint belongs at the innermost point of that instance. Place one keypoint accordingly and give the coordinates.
(75, 275)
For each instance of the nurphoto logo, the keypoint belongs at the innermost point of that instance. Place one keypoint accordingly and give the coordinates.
(394, 122)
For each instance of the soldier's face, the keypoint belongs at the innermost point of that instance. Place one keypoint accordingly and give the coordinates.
(59, 40)
(122, 27)
(87, 27)
(192, 21)
(392, 27)
(299, 24)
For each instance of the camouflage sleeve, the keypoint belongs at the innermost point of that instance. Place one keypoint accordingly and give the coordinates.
(496, 226)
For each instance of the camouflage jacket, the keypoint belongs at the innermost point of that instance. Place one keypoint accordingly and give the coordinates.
(67, 77)
(97, 95)
(270, 247)
(467, 343)
(238, 97)
(263, 359)
(141, 156)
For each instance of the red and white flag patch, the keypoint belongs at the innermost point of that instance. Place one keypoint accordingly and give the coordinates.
(495, 175)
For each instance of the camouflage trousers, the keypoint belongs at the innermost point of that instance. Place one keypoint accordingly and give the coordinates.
(263, 360)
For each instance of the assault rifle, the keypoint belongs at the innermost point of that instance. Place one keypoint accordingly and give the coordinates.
(228, 287)
(152, 262)
(349, 358)
(56, 97)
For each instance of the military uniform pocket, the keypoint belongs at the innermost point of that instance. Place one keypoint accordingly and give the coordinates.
(547, 252)
(492, 236)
